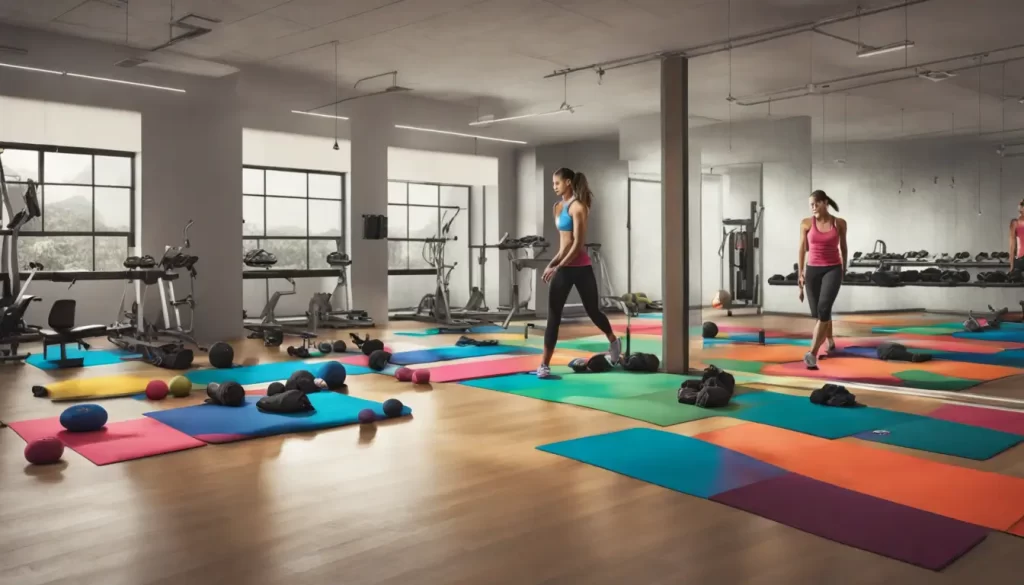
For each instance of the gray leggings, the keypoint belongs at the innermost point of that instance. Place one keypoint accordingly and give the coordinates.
(822, 284)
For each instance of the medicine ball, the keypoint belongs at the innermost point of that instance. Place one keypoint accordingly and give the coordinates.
(393, 407)
(421, 377)
(275, 388)
(710, 330)
(293, 381)
(157, 390)
(403, 374)
(599, 363)
(722, 300)
(325, 347)
(180, 386)
(579, 365)
(378, 359)
(222, 355)
(333, 374)
(83, 418)
(339, 346)
(372, 345)
(367, 416)
(44, 451)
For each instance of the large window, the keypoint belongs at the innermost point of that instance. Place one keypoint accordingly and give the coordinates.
(416, 212)
(297, 215)
(88, 205)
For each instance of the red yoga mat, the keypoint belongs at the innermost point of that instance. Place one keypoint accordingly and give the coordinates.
(989, 418)
(489, 368)
(116, 442)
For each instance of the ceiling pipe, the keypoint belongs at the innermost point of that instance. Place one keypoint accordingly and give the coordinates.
(746, 40)
(926, 64)
(828, 90)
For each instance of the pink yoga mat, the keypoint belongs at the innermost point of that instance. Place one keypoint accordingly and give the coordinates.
(116, 442)
(989, 418)
(486, 368)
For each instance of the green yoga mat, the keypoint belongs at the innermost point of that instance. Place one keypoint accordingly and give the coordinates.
(944, 329)
(734, 366)
(600, 345)
(949, 438)
(931, 381)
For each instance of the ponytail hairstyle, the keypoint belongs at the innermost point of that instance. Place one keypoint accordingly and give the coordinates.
(581, 190)
(820, 197)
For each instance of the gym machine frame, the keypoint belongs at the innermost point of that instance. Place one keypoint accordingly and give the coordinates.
(322, 314)
(269, 328)
(516, 308)
(742, 244)
(14, 303)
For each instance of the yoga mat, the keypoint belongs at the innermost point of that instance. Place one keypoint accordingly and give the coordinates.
(101, 387)
(476, 329)
(989, 418)
(1014, 335)
(948, 438)
(224, 424)
(116, 442)
(865, 522)
(488, 368)
(733, 366)
(1017, 529)
(600, 345)
(93, 357)
(755, 353)
(672, 461)
(920, 329)
(931, 381)
(976, 497)
(454, 352)
(262, 373)
(753, 338)
(799, 414)
(826, 372)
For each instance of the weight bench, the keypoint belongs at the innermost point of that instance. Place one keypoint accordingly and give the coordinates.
(62, 331)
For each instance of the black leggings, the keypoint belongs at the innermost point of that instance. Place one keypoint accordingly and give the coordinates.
(582, 277)
(823, 284)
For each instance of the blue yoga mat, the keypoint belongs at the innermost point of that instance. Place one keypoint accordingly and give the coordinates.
(672, 461)
(263, 373)
(657, 316)
(1013, 358)
(948, 438)
(442, 354)
(472, 330)
(93, 357)
(797, 413)
(224, 424)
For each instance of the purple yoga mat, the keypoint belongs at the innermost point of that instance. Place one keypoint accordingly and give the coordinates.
(865, 522)
(989, 418)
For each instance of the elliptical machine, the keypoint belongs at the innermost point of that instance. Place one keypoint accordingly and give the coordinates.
(177, 258)
(14, 302)
(436, 307)
(322, 313)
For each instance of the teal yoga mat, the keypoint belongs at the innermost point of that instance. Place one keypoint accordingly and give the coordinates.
(93, 357)
(263, 373)
(797, 413)
(948, 438)
(671, 461)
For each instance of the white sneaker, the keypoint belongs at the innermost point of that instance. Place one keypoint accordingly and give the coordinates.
(543, 371)
(615, 351)
(810, 361)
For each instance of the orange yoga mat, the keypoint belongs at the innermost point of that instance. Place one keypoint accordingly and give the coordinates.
(868, 367)
(1018, 529)
(978, 497)
(754, 353)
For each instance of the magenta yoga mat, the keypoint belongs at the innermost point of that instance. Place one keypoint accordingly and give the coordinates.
(989, 418)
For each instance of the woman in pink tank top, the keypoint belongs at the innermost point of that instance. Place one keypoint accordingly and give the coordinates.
(822, 264)
(1017, 239)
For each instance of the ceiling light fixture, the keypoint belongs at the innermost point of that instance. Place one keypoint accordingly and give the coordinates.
(319, 115)
(93, 77)
(563, 109)
(873, 51)
(401, 127)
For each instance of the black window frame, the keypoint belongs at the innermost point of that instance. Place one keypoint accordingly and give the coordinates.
(440, 216)
(41, 150)
(307, 238)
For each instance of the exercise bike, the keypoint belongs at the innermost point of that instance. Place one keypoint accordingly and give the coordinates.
(322, 312)
(269, 328)
(15, 302)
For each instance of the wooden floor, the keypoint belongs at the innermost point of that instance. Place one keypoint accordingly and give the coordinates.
(456, 495)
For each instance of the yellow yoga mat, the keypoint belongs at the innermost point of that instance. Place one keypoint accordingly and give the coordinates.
(101, 387)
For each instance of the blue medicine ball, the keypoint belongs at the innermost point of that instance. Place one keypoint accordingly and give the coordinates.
(83, 418)
(333, 374)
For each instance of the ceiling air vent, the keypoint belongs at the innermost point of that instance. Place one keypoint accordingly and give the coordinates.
(130, 62)
(935, 75)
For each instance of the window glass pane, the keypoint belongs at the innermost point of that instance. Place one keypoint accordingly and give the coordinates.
(252, 181)
(396, 192)
(419, 256)
(111, 252)
(422, 194)
(286, 184)
(113, 209)
(115, 171)
(318, 251)
(325, 186)
(61, 167)
(67, 209)
(422, 222)
(325, 218)
(455, 196)
(290, 253)
(20, 165)
(398, 255)
(56, 252)
(286, 217)
(252, 213)
(398, 223)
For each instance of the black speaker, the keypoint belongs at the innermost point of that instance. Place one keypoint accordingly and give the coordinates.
(375, 227)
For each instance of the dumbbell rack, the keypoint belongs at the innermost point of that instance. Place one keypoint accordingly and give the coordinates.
(926, 263)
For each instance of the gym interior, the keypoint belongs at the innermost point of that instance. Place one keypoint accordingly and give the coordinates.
(803, 233)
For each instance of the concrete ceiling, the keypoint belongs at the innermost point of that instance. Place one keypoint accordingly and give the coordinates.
(494, 54)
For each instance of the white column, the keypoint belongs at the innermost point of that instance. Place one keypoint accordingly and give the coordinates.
(676, 218)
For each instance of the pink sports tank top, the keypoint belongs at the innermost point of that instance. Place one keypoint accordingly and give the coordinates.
(1020, 238)
(823, 247)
